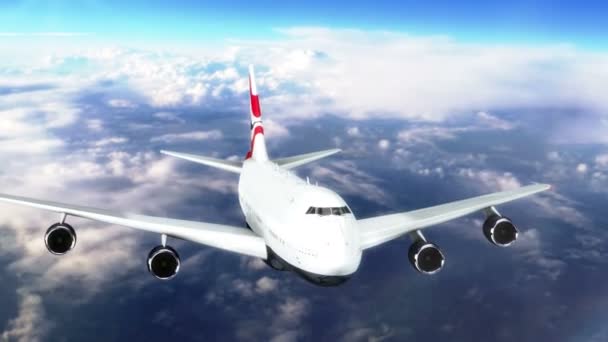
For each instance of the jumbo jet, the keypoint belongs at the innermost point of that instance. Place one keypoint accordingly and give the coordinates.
(291, 225)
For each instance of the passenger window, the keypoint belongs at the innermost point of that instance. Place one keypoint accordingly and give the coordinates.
(325, 211)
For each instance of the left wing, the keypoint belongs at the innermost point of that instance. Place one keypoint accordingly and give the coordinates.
(234, 239)
(377, 230)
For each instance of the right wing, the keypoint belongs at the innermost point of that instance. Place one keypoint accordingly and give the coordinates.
(295, 161)
(234, 239)
(380, 229)
(226, 165)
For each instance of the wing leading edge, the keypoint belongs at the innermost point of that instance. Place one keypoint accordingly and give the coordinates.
(377, 230)
(226, 165)
(234, 239)
(295, 161)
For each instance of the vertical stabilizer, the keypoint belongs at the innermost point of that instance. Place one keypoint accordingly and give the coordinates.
(257, 150)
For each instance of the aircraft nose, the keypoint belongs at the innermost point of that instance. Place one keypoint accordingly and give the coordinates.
(342, 260)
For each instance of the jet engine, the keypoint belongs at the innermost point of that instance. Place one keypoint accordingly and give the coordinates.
(163, 262)
(60, 238)
(426, 257)
(499, 230)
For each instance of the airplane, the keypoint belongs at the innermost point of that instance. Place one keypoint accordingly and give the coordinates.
(292, 225)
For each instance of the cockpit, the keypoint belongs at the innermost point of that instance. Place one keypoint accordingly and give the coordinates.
(336, 211)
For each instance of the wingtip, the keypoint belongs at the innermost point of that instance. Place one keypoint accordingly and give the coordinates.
(544, 186)
(168, 153)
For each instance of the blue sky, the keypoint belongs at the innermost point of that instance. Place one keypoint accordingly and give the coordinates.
(527, 22)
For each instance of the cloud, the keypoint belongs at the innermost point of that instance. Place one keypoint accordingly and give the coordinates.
(428, 133)
(274, 129)
(491, 121)
(196, 136)
(265, 285)
(290, 313)
(110, 141)
(30, 325)
(169, 116)
(353, 131)
(121, 103)
(314, 71)
(581, 168)
(384, 144)
(490, 179)
(601, 160)
(95, 125)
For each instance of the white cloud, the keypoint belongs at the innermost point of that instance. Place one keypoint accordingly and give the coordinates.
(384, 144)
(554, 156)
(95, 125)
(30, 325)
(581, 168)
(30, 145)
(290, 313)
(121, 103)
(313, 71)
(274, 129)
(265, 285)
(493, 122)
(353, 131)
(110, 141)
(169, 116)
(197, 135)
(601, 160)
(490, 179)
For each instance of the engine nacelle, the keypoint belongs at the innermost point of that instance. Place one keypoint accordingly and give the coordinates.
(426, 257)
(499, 230)
(60, 238)
(163, 262)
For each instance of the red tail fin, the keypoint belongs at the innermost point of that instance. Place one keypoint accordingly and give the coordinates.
(257, 149)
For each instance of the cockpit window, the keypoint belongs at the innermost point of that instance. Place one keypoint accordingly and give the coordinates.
(325, 211)
(337, 211)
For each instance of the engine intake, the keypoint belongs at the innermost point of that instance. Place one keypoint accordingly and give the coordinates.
(163, 262)
(499, 230)
(426, 257)
(60, 238)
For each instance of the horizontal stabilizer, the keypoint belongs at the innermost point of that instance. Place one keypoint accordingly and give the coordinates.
(227, 165)
(295, 161)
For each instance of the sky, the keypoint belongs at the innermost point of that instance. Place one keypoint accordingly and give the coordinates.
(528, 22)
(428, 104)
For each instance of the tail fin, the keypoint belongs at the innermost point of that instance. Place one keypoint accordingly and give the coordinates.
(257, 151)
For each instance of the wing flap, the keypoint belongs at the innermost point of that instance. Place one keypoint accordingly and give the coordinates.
(234, 239)
(295, 161)
(227, 165)
(377, 230)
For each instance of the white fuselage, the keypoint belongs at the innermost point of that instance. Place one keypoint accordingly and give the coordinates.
(275, 203)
